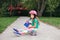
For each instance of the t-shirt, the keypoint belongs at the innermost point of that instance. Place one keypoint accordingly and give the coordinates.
(35, 21)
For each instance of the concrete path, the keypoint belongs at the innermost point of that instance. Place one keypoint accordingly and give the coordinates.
(45, 32)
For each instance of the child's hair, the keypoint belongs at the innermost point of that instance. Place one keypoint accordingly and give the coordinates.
(34, 16)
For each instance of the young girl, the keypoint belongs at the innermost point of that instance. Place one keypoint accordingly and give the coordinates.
(33, 15)
(33, 26)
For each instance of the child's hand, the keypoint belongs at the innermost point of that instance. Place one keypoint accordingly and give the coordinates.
(30, 25)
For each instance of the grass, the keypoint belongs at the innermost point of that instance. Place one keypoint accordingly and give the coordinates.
(55, 21)
(6, 21)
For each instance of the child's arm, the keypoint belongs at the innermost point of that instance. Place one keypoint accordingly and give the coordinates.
(30, 26)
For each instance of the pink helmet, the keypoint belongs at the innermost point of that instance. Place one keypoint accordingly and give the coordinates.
(33, 12)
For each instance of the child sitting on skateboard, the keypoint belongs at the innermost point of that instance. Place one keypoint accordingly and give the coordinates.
(31, 28)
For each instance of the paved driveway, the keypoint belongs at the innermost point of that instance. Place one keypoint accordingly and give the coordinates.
(45, 31)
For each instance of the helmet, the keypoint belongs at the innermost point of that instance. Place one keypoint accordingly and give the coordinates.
(33, 12)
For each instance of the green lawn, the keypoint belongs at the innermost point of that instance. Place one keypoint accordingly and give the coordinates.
(6, 21)
(55, 21)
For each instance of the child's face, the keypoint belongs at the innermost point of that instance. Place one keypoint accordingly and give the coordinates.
(32, 16)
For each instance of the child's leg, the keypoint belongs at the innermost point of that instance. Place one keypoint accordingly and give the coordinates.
(20, 32)
(33, 32)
